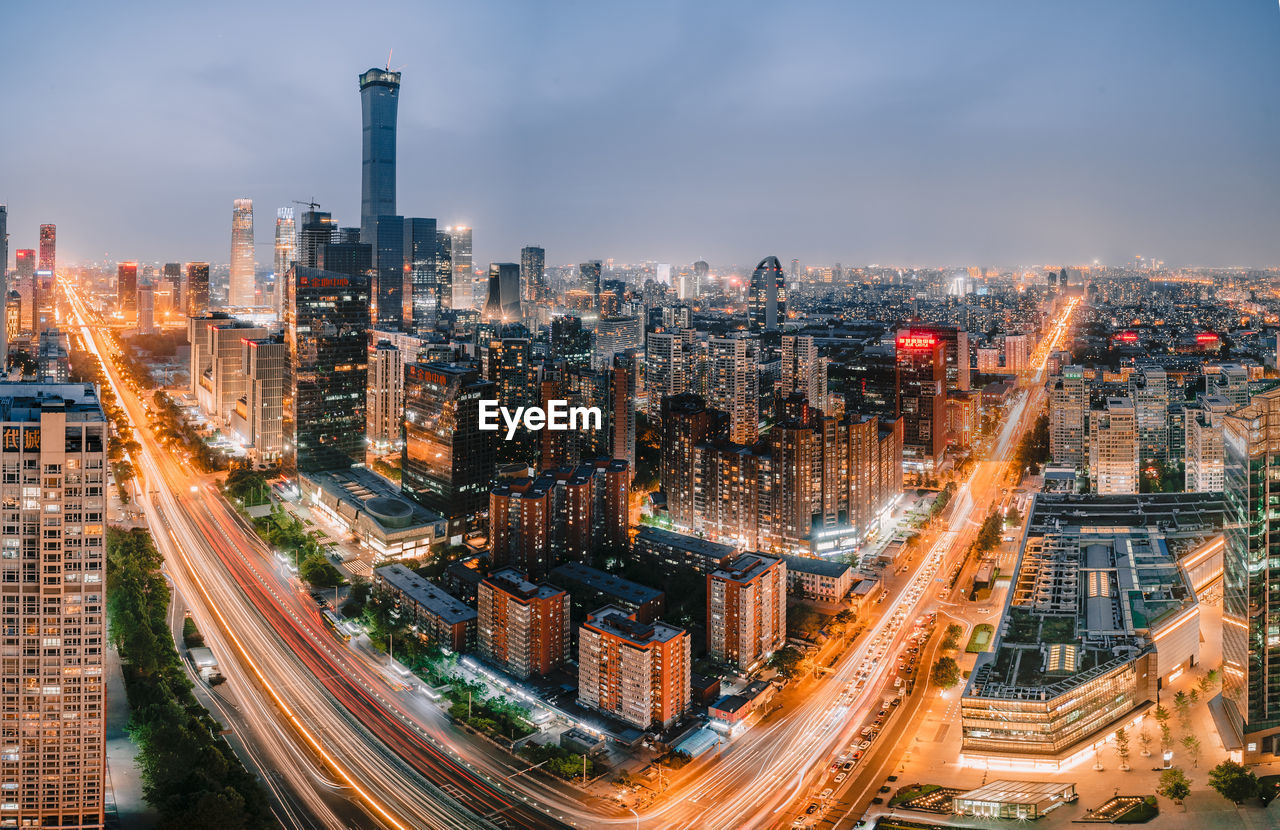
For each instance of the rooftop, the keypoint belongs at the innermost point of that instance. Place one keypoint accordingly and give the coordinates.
(1017, 792)
(746, 567)
(695, 544)
(821, 567)
(613, 620)
(447, 607)
(517, 584)
(606, 583)
(24, 401)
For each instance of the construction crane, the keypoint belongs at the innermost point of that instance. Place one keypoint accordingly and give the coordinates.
(313, 204)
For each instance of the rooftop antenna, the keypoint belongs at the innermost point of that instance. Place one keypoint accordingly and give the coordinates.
(389, 51)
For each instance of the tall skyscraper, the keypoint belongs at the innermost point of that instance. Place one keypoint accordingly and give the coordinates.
(1204, 452)
(127, 290)
(243, 288)
(803, 370)
(52, 684)
(317, 228)
(146, 309)
(444, 268)
(533, 273)
(286, 240)
(1068, 418)
(503, 303)
(379, 102)
(921, 381)
(6, 319)
(48, 248)
(463, 275)
(422, 274)
(589, 273)
(766, 296)
(387, 238)
(448, 462)
(384, 411)
(733, 384)
(1250, 605)
(258, 416)
(1149, 389)
(701, 277)
(326, 330)
(24, 260)
(1113, 447)
(196, 292)
(173, 273)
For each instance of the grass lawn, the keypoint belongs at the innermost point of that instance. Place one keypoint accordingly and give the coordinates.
(980, 640)
(912, 791)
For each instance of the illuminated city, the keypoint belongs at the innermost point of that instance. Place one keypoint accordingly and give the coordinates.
(767, 421)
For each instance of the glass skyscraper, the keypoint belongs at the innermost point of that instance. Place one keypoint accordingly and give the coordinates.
(503, 302)
(767, 296)
(242, 291)
(1251, 576)
(286, 239)
(316, 229)
(388, 271)
(464, 295)
(326, 331)
(422, 278)
(379, 101)
(533, 273)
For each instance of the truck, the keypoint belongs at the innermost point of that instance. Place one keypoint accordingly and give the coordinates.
(202, 658)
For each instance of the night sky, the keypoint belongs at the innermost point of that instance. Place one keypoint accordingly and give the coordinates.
(910, 133)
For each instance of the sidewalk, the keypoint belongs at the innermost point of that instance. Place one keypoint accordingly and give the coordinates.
(124, 779)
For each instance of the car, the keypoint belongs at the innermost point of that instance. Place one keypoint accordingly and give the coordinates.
(826, 793)
(877, 800)
(811, 809)
(840, 777)
(863, 746)
(847, 766)
(799, 822)
(892, 778)
(857, 755)
(867, 730)
(883, 712)
(884, 789)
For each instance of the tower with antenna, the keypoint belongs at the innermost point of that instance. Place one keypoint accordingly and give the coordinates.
(379, 100)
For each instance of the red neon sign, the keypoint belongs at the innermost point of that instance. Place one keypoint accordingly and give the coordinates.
(1128, 337)
(917, 340)
(1206, 337)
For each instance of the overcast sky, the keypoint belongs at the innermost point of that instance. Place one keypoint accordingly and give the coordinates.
(914, 133)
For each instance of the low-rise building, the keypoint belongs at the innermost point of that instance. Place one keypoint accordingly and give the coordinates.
(435, 615)
(597, 588)
(822, 579)
(371, 509)
(663, 549)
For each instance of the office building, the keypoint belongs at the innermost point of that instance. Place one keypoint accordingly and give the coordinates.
(387, 237)
(48, 249)
(1230, 380)
(448, 462)
(570, 342)
(766, 297)
(533, 274)
(316, 230)
(1068, 418)
(146, 309)
(1149, 391)
(463, 275)
(326, 329)
(54, 770)
(286, 241)
(196, 292)
(1250, 611)
(126, 290)
(637, 672)
(44, 301)
(746, 610)
(10, 320)
(201, 356)
(434, 615)
(257, 417)
(1113, 447)
(825, 580)
(371, 508)
(385, 405)
(589, 274)
(243, 289)
(222, 383)
(25, 269)
(422, 275)
(173, 275)
(522, 627)
(733, 384)
(379, 102)
(503, 303)
(803, 371)
(53, 359)
(563, 515)
(921, 382)
(1205, 453)
(444, 268)
(614, 335)
(354, 259)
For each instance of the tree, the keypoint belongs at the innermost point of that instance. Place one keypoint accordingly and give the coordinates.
(946, 672)
(1013, 518)
(1206, 683)
(1144, 738)
(951, 640)
(1122, 747)
(1183, 704)
(786, 661)
(316, 571)
(1235, 782)
(1166, 739)
(1174, 785)
(1192, 745)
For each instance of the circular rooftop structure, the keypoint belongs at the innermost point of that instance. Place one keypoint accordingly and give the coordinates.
(390, 512)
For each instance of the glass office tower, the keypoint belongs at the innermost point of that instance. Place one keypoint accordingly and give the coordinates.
(379, 100)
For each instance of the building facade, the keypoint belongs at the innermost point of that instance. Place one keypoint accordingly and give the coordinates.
(243, 288)
(637, 672)
(523, 627)
(747, 610)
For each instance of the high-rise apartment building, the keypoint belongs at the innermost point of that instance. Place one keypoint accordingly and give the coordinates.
(1017, 353)
(126, 290)
(243, 290)
(385, 408)
(921, 380)
(448, 461)
(523, 627)
(379, 103)
(422, 287)
(326, 329)
(615, 334)
(463, 274)
(1149, 391)
(667, 369)
(1250, 607)
(1205, 453)
(48, 248)
(146, 309)
(52, 691)
(533, 274)
(623, 379)
(222, 382)
(1069, 418)
(733, 384)
(196, 292)
(637, 672)
(286, 242)
(503, 303)
(686, 423)
(257, 417)
(766, 296)
(1113, 447)
(747, 610)
(803, 370)
(8, 320)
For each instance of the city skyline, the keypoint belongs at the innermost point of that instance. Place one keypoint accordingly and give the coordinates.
(1054, 136)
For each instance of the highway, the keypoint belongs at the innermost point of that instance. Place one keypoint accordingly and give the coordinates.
(320, 720)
